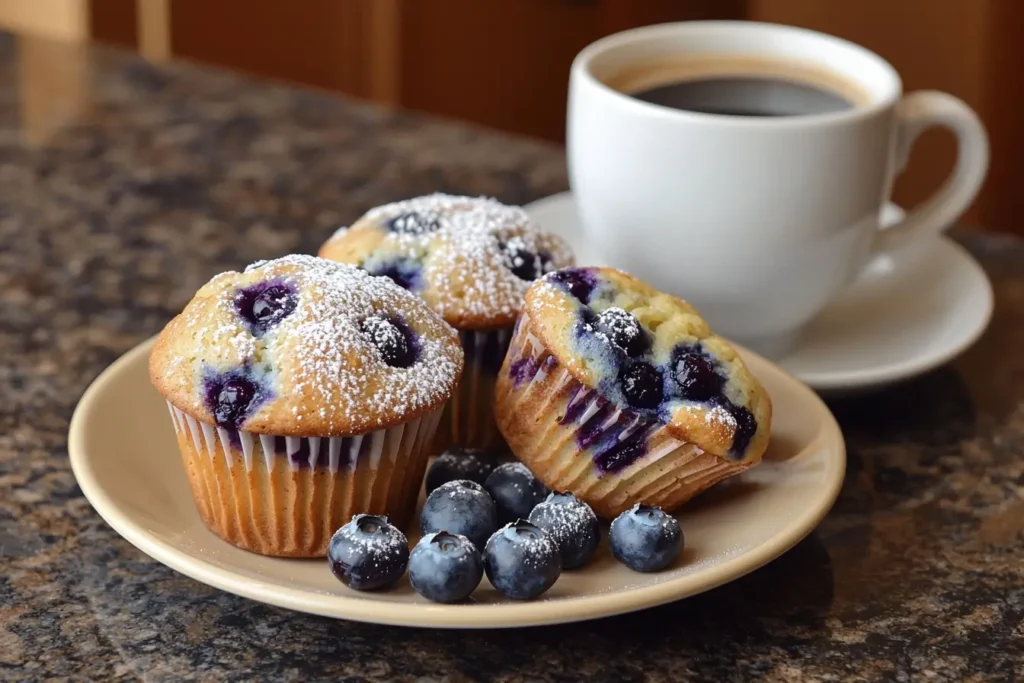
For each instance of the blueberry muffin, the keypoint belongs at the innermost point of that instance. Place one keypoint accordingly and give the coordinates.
(303, 391)
(471, 259)
(620, 394)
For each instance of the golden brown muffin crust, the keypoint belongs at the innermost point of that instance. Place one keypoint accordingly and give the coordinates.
(555, 317)
(466, 256)
(315, 369)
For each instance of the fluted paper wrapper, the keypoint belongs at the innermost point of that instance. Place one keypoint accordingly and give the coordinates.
(575, 440)
(285, 496)
(469, 416)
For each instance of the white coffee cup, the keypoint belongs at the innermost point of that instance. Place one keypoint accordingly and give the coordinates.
(757, 221)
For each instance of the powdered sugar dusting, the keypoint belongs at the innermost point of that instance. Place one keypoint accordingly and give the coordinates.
(479, 255)
(327, 375)
(563, 517)
(589, 317)
(719, 415)
(377, 544)
(535, 543)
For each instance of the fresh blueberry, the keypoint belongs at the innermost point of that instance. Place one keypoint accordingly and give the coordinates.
(572, 525)
(460, 507)
(460, 463)
(515, 491)
(392, 339)
(579, 282)
(695, 374)
(521, 560)
(642, 385)
(368, 553)
(645, 538)
(414, 223)
(264, 305)
(233, 401)
(524, 263)
(445, 567)
(622, 329)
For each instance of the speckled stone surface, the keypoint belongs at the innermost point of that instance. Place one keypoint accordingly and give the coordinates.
(169, 175)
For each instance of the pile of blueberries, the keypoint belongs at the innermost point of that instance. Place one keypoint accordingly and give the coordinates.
(527, 534)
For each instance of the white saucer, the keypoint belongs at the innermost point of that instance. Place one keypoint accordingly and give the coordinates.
(901, 318)
(125, 457)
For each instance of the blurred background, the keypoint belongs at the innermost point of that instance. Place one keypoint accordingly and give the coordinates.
(504, 63)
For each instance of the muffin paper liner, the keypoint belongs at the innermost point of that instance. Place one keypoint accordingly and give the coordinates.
(573, 439)
(469, 416)
(285, 496)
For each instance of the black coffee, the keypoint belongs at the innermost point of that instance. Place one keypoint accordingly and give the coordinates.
(737, 86)
(745, 96)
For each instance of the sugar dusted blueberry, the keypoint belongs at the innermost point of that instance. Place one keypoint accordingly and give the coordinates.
(645, 538)
(622, 329)
(571, 524)
(392, 339)
(695, 374)
(231, 397)
(368, 553)
(521, 560)
(273, 304)
(406, 273)
(460, 463)
(445, 567)
(642, 385)
(579, 282)
(515, 491)
(414, 223)
(460, 507)
(523, 262)
(233, 401)
(264, 305)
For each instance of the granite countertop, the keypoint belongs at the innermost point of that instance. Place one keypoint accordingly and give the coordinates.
(129, 185)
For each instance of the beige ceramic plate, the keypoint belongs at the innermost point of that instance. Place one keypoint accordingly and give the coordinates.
(125, 457)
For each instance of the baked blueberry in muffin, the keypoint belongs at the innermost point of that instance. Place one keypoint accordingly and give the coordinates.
(621, 394)
(471, 259)
(304, 391)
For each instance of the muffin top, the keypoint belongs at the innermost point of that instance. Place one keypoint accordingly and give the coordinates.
(470, 258)
(652, 353)
(301, 346)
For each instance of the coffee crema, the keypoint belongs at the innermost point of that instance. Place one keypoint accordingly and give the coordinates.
(738, 86)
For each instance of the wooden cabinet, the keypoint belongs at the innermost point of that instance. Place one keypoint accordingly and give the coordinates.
(505, 63)
(502, 63)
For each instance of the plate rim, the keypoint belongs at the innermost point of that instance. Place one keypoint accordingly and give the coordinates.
(429, 615)
(878, 375)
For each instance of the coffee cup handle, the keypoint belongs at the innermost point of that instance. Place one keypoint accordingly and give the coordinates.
(915, 113)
